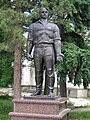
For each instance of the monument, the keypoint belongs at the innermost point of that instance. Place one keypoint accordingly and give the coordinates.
(45, 37)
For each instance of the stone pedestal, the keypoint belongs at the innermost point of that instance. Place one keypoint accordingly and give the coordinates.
(40, 109)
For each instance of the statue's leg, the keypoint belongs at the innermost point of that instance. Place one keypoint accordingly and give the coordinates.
(38, 72)
(49, 64)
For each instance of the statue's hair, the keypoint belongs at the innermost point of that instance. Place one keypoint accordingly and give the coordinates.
(42, 8)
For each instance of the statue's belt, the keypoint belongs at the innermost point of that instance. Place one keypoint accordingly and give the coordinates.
(44, 45)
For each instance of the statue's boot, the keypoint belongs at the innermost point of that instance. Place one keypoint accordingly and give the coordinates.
(51, 80)
(38, 90)
(39, 80)
(50, 92)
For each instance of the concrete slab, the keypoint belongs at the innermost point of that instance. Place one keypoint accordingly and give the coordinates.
(79, 102)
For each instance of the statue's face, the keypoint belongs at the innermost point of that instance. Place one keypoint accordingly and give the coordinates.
(43, 13)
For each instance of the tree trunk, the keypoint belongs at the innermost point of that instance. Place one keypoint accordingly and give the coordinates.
(17, 71)
(63, 90)
(63, 87)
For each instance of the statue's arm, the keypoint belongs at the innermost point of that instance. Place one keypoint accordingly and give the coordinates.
(57, 44)
(29, 43)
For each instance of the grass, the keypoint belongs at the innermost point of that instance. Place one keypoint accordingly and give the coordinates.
(6, 106)
(87, 98)
(80, 115)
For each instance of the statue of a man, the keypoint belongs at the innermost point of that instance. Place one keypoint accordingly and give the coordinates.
(45, 37)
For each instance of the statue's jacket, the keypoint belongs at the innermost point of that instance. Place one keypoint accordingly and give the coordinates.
(48, 33)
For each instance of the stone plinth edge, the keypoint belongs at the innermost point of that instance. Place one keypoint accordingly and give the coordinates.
(41, 101)
(60, 116)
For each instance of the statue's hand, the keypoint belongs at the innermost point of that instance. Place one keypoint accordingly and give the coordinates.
(60, 57)
(29, 57)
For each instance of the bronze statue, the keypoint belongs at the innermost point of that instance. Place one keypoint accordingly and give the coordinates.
(45, 37)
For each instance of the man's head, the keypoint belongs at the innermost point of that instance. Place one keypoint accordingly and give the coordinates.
(43, 13)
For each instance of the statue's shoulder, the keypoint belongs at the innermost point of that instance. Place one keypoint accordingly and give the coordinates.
(34, 23)
(55, 26)
(51, 22)
(31, 25)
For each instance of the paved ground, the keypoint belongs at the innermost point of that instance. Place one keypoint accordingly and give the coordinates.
(76, 102)
(8, 91)
(80, 109)
(79, 102)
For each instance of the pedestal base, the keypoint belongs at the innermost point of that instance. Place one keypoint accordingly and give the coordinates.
(40, 109)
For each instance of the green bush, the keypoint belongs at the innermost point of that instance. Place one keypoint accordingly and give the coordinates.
(6, 106)
(76, 63)
(6, 70)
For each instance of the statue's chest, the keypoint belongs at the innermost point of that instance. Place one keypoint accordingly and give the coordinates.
(43, 28)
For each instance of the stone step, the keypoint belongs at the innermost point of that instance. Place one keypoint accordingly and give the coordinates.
(40, 106)
(28, 116)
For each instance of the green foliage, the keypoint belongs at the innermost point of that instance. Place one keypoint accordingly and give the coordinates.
(10, 31)
(85, 56)
(6, 70)
(76, 63)
(6, 106)
(70, 60)
(5, 3)
(80, 115)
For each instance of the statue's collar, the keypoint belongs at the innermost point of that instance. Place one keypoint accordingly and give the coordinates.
(41, 21)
